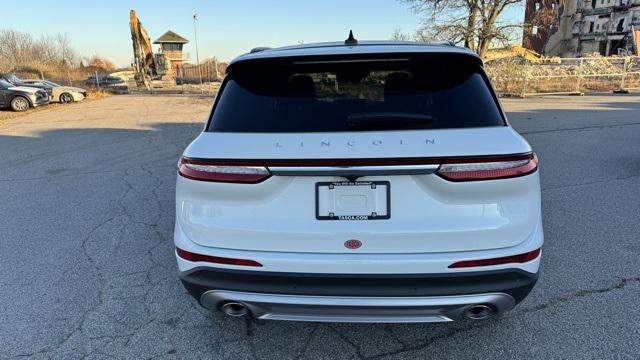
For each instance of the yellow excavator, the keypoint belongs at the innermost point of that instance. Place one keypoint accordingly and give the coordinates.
(147, 65)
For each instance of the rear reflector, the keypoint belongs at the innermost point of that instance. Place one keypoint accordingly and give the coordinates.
(520, 258)
(488, 168)
(215, 259)
(210, 171)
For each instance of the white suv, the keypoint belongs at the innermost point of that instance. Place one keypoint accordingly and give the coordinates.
(358, 182)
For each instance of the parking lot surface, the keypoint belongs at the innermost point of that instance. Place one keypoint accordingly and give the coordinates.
(87, 266)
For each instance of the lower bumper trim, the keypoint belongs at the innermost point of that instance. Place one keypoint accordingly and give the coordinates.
(357, 309)
(513, 282)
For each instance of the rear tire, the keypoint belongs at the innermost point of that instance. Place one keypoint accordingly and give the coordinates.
(66, 98)
(19, 103)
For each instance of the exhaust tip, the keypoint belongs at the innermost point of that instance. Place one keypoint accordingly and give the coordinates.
(479, 312)
(234, 309)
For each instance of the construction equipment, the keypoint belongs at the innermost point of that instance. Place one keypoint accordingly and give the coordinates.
(636, 40)
(148, 66)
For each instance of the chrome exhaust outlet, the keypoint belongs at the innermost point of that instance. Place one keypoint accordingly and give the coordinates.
(235, 309)
(479, 312)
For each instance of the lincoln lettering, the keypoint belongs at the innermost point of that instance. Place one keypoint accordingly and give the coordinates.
(353, 143)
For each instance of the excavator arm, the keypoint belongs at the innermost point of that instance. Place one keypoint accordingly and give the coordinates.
(144, 63)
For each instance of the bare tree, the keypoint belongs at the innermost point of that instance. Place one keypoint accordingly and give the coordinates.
(21, 50)
(16, 49)
(99, 62)
(476, 24)
(400, 36)
(65, 51)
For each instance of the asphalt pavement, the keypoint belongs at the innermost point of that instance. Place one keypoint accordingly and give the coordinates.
(87, 268)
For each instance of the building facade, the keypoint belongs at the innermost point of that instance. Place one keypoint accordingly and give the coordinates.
(578, 27)
(171, 47)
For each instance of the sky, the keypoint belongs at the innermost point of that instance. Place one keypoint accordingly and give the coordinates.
(226, 28)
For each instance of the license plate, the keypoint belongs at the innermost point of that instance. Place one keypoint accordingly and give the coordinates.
(359, 200)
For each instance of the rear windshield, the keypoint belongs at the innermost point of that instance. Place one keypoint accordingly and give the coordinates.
(354, 95)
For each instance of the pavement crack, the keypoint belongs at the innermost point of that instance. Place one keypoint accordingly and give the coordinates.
(422, 344)
(307, 342)
(344, 338)
(576, 295)
(50, 177)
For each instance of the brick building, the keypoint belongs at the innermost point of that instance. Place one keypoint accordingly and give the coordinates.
(577, 27)
(171, 46)
(540, 21)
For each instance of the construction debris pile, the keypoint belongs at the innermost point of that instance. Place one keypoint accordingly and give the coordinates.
(521, 76)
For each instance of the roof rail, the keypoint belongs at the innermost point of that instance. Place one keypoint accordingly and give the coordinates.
(443, 42)
(259, 48)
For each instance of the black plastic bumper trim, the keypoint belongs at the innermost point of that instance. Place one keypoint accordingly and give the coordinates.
(515, 282)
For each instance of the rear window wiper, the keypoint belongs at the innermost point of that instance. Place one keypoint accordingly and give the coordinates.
(388, 119)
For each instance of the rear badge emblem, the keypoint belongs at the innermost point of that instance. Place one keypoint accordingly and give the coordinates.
(352, 244)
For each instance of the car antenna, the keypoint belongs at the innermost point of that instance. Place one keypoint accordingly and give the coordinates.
(351, 40)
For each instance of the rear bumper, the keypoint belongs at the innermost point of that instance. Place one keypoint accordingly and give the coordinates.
(357, 309)
(359, 297)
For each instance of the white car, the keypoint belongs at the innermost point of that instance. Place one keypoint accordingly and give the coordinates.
(60, 93)
(358, 182)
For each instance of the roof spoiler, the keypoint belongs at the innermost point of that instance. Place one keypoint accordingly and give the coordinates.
(259, 48)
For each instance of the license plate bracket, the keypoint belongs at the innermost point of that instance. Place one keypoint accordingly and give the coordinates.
(353, 200)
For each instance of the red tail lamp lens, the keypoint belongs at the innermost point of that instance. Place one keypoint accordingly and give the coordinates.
(520, 258)
(215, 259)
(204, 170)
(488, 168)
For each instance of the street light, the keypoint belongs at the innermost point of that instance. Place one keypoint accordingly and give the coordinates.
(195, 32)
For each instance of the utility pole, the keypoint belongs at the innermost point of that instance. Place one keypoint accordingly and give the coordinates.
(195, 32)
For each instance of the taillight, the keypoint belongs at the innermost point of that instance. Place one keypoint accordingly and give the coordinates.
(520, 258)
(187, 255)
(488, 168)
(205, 170)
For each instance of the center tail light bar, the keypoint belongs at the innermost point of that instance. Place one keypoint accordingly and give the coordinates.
(452, 169)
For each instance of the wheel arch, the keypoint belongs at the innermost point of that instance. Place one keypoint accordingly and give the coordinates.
(26, 97)
(70, 93)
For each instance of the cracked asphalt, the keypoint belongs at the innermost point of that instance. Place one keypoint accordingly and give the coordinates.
(87, 267)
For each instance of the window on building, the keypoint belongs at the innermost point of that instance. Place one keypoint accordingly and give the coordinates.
(620, 26)
(577, 25)
(591, 24)
(171, 47)
(536, 6)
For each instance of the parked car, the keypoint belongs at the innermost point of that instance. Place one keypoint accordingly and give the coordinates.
(20, 98)
(104, 81)
(61, 94)
(358, 182)
(16, 81)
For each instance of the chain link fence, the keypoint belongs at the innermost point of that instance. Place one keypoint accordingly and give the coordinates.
(184, 78)
(519, 77)
(210, 71)
(66, 76)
